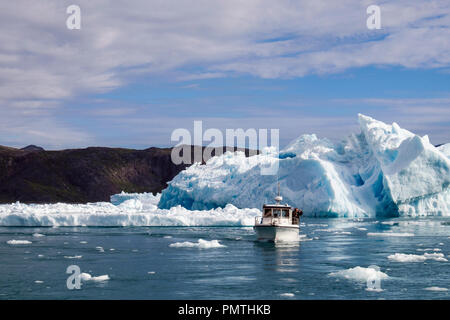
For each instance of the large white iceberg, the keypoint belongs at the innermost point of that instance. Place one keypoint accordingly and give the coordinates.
(129, 210)
(382, 171)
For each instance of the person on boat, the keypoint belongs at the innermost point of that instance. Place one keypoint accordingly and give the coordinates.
(296, 214)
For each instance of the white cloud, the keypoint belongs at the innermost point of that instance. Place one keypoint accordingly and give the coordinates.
(40, 58)
(42, 63)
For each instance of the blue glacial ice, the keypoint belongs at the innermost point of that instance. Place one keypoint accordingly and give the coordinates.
(383, 171)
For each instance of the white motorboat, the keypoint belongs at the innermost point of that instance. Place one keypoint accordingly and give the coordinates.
(278, 222)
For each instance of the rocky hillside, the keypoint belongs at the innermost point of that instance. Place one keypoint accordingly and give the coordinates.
(33, 175)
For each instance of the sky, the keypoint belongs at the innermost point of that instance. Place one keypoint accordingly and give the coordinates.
(137, 70)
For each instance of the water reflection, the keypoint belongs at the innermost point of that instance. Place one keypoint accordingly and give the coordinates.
(278, 256)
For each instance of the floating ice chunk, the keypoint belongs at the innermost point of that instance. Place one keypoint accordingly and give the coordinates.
(390, 234)
(201, 244)
(73, 257)
(100, 249)
(38, 281)
(287, 294)
(436, 289)
(435, 256)
(18, 242)
(360, 274)
(38, 235)
(87, 277)
(101, 278)
(403, 257)
(391, 223)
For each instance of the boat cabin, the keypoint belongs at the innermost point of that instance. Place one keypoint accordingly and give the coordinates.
(278, 213)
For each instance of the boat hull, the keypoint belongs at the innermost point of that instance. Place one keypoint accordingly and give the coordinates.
(276, 233)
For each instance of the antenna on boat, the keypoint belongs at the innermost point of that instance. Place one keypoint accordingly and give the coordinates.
(278, 198)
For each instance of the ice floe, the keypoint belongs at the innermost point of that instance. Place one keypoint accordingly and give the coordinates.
(201, 244)
(403, 257)
(18, 242)
(287, 294)
(390, 234)
(38, 235)
(436, 289)
(360, 274)
(73, 257)
(87, 277)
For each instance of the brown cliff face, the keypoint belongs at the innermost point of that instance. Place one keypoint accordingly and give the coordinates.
(82, 175)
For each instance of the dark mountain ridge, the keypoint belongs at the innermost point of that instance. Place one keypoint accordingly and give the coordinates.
(33, 148)
(34, 175)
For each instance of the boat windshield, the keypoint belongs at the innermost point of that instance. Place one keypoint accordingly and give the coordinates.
(276, 213)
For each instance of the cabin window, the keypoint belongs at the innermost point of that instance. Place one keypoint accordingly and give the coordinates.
(267, 212)
(286, 213)
(276, 213)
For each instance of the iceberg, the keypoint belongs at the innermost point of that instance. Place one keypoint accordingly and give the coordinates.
(201, 244)
(383, 171)
(131, 210)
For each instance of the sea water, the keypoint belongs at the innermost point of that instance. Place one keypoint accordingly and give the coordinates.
(333, 259)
